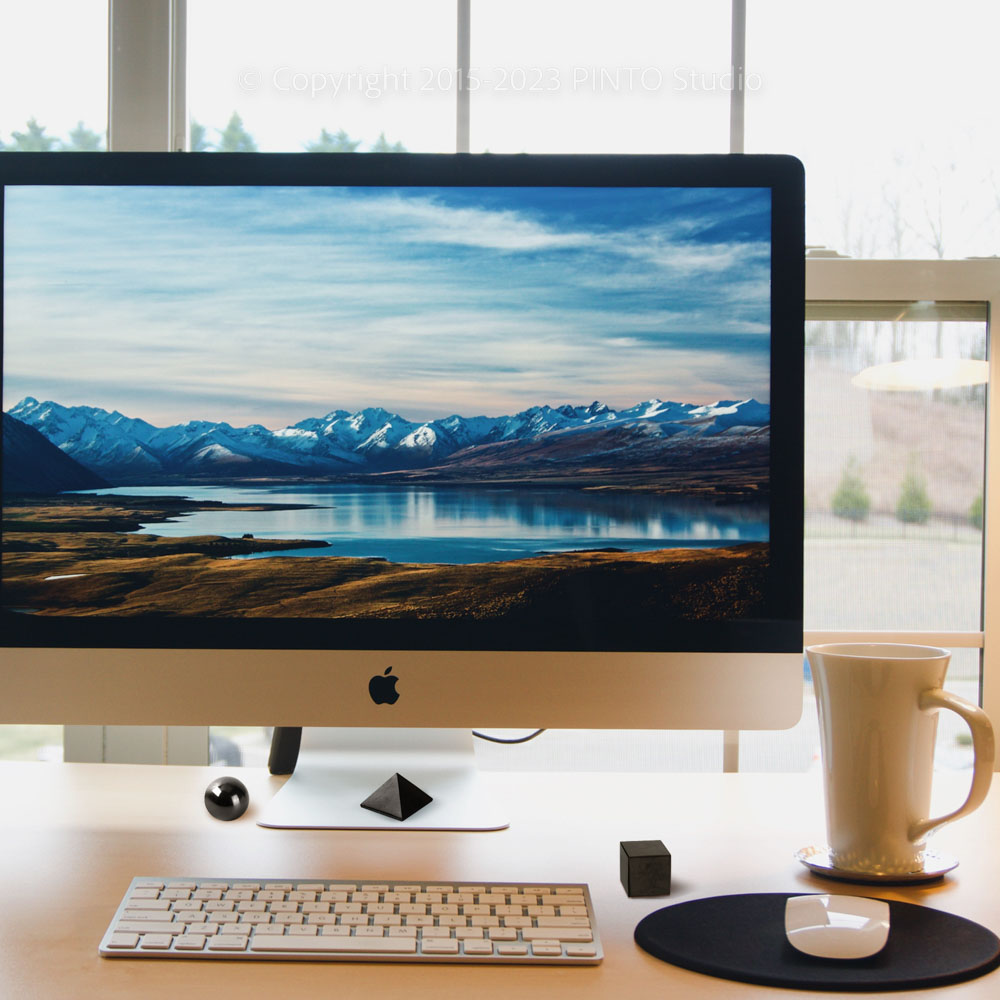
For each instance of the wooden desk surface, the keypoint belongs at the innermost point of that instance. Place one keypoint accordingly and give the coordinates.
(88, 828)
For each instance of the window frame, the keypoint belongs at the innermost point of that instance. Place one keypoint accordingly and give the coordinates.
(147, 111)
(971, 280)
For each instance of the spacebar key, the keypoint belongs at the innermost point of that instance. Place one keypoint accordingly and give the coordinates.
(341, 945)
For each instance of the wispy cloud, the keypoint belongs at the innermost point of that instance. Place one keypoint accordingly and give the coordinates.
(275, 304)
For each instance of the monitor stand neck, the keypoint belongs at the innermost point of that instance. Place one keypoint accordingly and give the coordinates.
(338, 769)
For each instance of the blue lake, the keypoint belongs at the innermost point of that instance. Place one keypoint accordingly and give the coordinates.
(459, 524)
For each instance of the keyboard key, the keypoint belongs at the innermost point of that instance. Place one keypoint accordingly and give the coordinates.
(191, 942)
(149, 927)
(563, 921)
(120, 940)
(155, 941)
(269, 929)
(501, 933)
(230, 942)
(478, 947)
(435, 932)
(558, 933)
(439, 946)
(329, 943)
(320, 908)
(148, 915)
(538, 948)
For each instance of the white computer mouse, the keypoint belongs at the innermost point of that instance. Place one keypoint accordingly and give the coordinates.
(837, 926)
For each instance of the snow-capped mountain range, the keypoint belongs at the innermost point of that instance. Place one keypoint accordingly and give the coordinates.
(127, 449)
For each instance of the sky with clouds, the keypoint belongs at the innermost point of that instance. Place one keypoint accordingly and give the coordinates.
(270, 305)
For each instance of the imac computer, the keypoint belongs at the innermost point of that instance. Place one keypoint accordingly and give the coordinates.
(402, 442)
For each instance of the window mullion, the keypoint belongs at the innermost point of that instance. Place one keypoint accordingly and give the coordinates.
(145, 74)
(738, 60)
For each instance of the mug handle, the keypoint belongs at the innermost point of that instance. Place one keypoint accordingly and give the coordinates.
(983, 747)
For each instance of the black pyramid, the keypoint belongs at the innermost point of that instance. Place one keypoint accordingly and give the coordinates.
(397, 798)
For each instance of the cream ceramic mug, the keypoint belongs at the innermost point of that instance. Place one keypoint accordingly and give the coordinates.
(878, 705)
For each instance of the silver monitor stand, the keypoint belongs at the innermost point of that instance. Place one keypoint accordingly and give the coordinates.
(337, 769)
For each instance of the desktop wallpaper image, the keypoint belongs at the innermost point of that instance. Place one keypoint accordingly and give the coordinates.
(544, 409)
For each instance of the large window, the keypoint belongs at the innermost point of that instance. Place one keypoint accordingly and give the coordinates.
(891, 108)
(589, 77)
(336, 77)
(54, 75)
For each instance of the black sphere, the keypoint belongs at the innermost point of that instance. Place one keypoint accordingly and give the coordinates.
(227, 798)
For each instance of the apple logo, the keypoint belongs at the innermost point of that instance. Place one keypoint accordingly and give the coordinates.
(382, 688)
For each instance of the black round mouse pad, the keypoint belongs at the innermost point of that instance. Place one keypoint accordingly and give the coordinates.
(743, 938)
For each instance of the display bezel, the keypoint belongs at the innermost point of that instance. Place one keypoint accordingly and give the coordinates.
(780, 632)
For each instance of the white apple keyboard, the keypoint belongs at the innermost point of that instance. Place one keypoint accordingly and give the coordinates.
(334, 919)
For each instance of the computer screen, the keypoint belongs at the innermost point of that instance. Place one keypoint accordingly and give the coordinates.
(522, 433)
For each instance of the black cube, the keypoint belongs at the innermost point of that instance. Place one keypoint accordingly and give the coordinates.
(645, 868)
